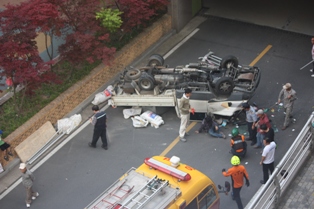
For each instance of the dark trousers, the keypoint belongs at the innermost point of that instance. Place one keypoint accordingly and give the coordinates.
(266, 168)
(252, 132)
(99, 133)
(240, 154)
(236, 196)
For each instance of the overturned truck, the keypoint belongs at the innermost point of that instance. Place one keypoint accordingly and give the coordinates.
(219, 85)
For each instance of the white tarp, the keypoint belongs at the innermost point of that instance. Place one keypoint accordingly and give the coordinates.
(139, 122)
(127, 113)
(66, 125)
(104, 95)
(155, 120)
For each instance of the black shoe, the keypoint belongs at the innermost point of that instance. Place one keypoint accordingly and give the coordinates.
(253, 143)
(10, 153)
(90, 145)
(6, 158)
(104, 147)
(187, 134)
(262, 182)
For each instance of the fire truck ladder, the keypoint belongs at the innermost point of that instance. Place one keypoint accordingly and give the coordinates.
(139, 199)
(115, 195)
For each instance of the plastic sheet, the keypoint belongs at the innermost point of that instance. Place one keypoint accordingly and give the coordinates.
(103, 96)
(127, 113)
(155, 120)
(67, 125)
(139, 122)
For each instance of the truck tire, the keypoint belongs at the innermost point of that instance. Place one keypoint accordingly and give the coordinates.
(224, 86)
(133, 74)
(156, 60)
(146, 82)
(229, 61)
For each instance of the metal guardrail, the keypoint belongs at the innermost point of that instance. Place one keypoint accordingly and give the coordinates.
(268, 196)
(44, 148)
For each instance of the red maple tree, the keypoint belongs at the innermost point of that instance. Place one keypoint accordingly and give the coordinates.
(85, 39)
(19, 57)
(137, 12)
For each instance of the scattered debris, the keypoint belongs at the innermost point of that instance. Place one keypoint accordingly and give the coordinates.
(127, 113)
(139, 122)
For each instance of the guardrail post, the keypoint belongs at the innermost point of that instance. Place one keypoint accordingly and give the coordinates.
(312, 132)
(277, 192)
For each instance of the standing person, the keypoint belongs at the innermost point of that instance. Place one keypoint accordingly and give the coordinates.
(268, 132)
(251, 119)
(238, 143)
(185, 109)
(262, 119)
(28, 180)
(268, 158)
(5, 147)
(289, 96)
(312, 70)
(237, 173)
(99, 121)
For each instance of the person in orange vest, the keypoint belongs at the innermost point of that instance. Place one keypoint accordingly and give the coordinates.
(238, 144)
(237, 173)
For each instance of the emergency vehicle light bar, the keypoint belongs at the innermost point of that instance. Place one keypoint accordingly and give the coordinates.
(183, 176)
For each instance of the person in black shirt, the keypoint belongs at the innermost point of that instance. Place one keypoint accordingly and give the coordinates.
(268, 132)
(99, 122)
(206, 125)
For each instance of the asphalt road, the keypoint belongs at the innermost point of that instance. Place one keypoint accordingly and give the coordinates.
(77, 174)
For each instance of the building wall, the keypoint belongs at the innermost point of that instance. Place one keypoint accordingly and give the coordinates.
(181, 13)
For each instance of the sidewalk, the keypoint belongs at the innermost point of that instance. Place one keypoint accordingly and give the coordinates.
(301, 191)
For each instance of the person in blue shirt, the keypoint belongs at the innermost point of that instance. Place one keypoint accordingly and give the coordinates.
(251, 119)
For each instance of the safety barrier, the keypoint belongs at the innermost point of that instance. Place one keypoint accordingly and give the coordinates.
(268, 196)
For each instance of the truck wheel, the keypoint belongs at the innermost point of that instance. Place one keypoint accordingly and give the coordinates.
(146, 82)
(156, 60)
(133, 74)
(229, 61)
(224, 86)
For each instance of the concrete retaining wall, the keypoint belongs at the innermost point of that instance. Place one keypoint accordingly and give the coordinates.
(76, 94)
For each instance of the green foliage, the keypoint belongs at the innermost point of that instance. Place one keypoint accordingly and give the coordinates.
(10, 120)
(110, 18)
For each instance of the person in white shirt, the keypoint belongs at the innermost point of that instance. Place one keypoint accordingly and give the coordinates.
(268, 158)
